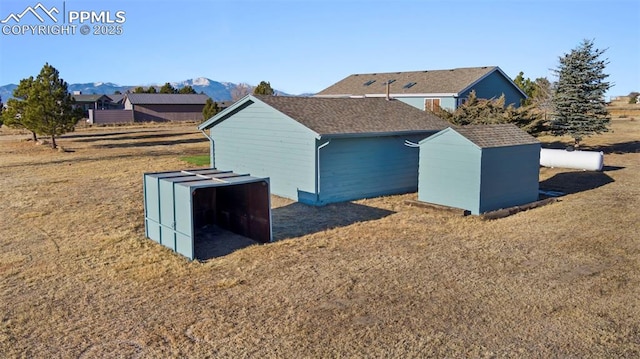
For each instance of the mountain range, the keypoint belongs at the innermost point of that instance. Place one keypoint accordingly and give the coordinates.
(218, 91)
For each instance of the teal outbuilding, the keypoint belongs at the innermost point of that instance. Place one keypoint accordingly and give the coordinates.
(322, 150)
(181, 208)
(479, 168)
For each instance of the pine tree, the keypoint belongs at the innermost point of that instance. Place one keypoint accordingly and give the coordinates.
(18, 113)
(52, 104)
(167, 88)
(187, 90)
(527, 86)
(210, 109)
(139, 89)
(263, 88)
(151, 89)
(579, 103)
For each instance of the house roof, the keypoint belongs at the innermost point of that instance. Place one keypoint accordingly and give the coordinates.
(117, 98)
(451, 81)
(90, 98)
(345, 116)
(498, 135)
(166, 99)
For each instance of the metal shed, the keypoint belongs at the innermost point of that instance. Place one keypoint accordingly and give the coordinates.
(180, 206)
(479, 168)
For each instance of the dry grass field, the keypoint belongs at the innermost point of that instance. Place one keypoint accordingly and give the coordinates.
(371, 278)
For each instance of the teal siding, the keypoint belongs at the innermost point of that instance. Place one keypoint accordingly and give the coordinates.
(354, 168)
(448, 103)
(263, 142)
(509, 176)
(455, 172)
(417, 102)
(493, 86)
(449, 171)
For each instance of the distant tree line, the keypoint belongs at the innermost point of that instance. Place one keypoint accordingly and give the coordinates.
(166, 88)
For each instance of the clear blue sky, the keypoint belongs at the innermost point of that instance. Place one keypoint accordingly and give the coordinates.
(304, 46)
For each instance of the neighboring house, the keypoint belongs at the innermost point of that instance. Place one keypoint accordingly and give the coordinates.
(117, 101)
(322, 150)
(429, 90)
(165, 107)
(479, 168)
(92, 102)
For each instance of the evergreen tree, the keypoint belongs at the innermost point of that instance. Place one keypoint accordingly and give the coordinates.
(167, 88)
(477, 111)
(18, 113)
(139, 89)
(263, 88)
(580, 108)
(151, 89)
(210, 109)
(52, 104)
(187, 90)
(527, 86)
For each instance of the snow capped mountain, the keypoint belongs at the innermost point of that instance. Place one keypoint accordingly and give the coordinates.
(200, 81)
(218, 91)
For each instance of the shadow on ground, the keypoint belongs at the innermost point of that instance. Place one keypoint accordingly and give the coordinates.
(101, 134)
(135, 136)
(297, 219)
(290, 221)
(575, 182)
(617, 148)
(152, 143)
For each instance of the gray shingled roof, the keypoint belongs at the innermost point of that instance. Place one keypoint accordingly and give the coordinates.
(167, 99)
(499, 135)
(333, 116)
(116, 97)
(424, 82)
(89, 98)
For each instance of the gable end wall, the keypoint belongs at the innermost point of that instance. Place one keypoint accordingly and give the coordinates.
(265, 143)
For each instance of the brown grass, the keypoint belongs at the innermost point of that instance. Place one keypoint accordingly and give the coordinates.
(372, 278)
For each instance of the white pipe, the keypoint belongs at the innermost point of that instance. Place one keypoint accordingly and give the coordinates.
(318, 168)
(212, 150)
(411, 144)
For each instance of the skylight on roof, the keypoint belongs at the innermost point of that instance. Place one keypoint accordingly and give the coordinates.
(408, 85)
(389, 82)
(368, 82)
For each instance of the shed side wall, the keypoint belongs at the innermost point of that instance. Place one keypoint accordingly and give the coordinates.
(510, 176)
(356, 168)
(265, 143)
(449, 172)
